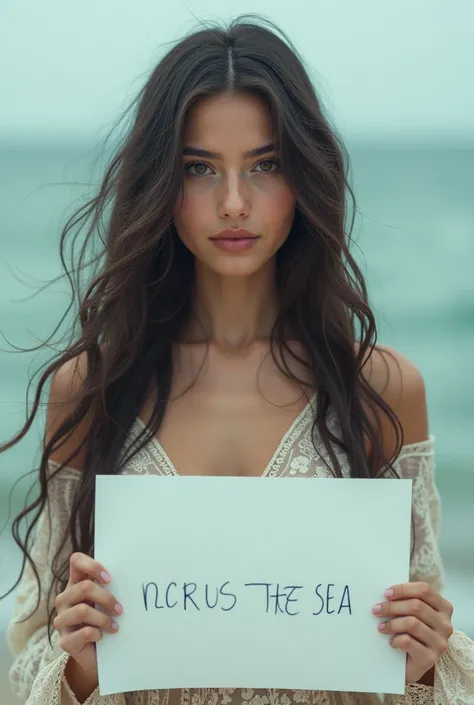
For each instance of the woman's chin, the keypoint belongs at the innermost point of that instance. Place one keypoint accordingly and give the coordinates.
(235, 266)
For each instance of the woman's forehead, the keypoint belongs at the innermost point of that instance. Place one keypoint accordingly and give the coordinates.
(235, 124)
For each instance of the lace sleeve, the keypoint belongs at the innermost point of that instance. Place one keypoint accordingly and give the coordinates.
(37, 672)
(454, 672)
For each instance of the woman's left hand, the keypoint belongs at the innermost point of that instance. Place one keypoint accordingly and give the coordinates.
(421, 621)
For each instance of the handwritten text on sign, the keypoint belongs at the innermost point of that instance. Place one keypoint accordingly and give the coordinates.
(251, 582)
(276, 598)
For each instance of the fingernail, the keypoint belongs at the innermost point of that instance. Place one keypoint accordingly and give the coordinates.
(376, 609)
(105, 577)
(115, 626)
(118, 609)
(388, 593)
(381, 626)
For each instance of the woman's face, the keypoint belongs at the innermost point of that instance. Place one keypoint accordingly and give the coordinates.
(231, 186)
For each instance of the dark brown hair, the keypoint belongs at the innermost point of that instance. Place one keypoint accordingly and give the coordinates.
(139, 297)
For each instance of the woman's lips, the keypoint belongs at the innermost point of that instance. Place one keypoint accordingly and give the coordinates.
(234, 244)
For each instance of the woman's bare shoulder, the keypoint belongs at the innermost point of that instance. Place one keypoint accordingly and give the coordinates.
(401, 385)
(65, 391)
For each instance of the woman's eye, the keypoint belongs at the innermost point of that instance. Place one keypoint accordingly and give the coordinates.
(268, 165)
(200, 168)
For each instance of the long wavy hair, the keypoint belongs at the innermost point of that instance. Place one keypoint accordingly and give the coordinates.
(140, 294)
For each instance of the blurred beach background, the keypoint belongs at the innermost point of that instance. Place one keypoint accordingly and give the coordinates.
(394, 81)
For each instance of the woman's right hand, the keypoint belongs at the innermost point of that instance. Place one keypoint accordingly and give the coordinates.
(78, 622)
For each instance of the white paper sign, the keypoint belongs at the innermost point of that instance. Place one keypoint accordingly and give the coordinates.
(230, 582)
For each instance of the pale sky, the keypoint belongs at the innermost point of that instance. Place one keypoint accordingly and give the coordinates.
(382, 68)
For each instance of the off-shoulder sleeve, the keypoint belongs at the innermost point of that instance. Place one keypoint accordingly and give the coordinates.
(454, 671)
(37, 672)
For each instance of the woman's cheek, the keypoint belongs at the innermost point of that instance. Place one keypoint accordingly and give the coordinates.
(281, 202)
(184, 208)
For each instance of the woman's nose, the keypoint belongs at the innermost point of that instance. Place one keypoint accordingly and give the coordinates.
(234, 200)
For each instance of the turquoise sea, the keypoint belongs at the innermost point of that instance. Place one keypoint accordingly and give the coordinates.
(414, 238)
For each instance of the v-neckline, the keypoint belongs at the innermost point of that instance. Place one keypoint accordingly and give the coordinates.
(171, 468)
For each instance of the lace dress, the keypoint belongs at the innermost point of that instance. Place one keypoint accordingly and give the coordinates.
(37, 673)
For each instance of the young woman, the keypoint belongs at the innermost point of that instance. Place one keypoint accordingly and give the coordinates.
(228, 311)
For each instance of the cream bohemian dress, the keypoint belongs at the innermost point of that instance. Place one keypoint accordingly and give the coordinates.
(37, 671)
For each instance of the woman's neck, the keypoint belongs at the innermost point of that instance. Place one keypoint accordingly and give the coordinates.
(233, 312)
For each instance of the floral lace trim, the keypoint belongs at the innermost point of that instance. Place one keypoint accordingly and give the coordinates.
(155, 450)
(47, 684)
(288, 441)
(67, 472)
(425, 447)
(415, 694)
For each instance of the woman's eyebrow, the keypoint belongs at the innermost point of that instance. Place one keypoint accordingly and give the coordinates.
(256, 152)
